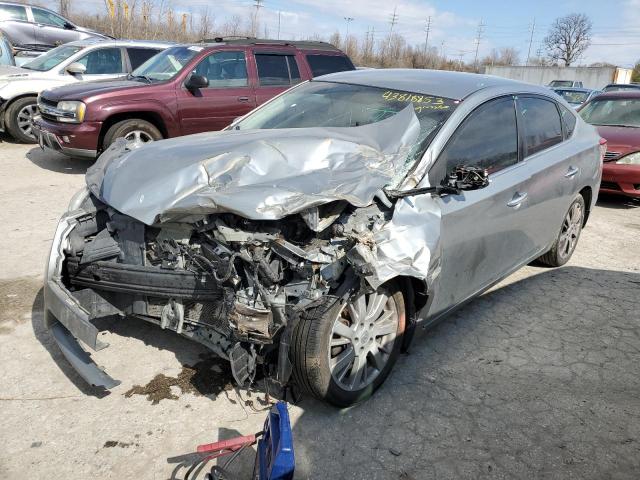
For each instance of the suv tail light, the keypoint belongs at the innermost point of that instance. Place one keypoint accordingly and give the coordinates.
(603, 148)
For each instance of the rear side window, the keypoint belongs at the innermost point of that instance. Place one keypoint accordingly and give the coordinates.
(541, 124)
(103, 61)
(568, 120)
(488, 138)
(137, 56)
(325, 64)
(12, 12)
(276, 70)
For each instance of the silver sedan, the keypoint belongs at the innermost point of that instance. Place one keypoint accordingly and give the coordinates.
(315, 233)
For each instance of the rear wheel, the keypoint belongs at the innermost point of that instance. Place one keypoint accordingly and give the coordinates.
(343, 353)
(19, 119)
(567, 240)
(135, 131)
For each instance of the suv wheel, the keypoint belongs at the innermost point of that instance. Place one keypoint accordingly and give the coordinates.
(567, 240)
(135, 131)
(344, 352)
(19, 119)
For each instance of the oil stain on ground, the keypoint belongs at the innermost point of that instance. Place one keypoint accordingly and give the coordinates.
(19, 297)
(208, 377)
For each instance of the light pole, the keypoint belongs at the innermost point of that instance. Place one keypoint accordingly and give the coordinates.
(348, 20)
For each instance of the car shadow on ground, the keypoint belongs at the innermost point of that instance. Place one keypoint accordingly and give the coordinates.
(618, 202)
(56, 162)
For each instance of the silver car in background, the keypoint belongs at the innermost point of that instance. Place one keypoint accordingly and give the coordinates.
(315, 233)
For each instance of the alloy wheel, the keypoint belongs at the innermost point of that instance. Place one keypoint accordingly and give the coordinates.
(571, 228)
(137, 138)
(362, 340)
(25, 119)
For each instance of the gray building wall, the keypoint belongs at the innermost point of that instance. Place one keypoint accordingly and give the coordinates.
(591, 77)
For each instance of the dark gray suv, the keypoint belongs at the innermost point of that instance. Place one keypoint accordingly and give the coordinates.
(36, 28)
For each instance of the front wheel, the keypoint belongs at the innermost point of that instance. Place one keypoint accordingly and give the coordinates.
(19, 119)
(343, 353)
(136, 133)
(567, 240)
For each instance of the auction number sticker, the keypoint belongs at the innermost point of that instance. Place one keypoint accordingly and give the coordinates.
(420, 102)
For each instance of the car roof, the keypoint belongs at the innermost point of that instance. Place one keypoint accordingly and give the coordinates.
(631, 93)
(119, 43)
(574, 89)
(251, 41)
(453, 85)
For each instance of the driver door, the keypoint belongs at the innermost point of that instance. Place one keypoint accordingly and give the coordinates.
(482, 231)
(51, 29)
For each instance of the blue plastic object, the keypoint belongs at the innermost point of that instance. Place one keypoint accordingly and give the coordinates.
(275, 459)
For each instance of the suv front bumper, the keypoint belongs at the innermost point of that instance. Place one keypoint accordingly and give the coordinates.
(65, 316)
(72, 139)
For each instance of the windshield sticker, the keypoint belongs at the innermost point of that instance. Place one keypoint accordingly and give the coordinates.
(421, 102)
(195, 48)
(175, 63)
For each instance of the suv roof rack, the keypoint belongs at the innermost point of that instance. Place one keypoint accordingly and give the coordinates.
(240, 40)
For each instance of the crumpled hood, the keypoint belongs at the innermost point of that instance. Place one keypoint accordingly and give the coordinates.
(257, 174)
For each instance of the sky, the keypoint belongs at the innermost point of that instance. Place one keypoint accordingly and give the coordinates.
(454, 24)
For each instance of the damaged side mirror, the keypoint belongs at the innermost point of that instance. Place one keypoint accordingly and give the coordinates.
(467, 178)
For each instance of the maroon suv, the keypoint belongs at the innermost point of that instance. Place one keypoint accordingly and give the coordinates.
(185, 89)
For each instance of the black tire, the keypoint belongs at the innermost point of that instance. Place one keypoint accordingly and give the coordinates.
(560, 252)
(127, 127)
(15, 125)
(310, 352)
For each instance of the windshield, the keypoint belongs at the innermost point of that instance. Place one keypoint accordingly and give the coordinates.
(561, 83)
(327, 104)
(52, 58)
(573, 96)
(619, 112)
(166, 64)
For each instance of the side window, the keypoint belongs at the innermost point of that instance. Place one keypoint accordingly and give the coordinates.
(103, 61)
(275, 70)
(324, 64)
(13, 12)
(569, 121)
(488, 138)
(137, 56)
(224, 69)
(48, 18)
(541, 124)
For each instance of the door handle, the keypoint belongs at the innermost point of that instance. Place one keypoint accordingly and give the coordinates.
(517, 200)
(243, 99)
(572, 172)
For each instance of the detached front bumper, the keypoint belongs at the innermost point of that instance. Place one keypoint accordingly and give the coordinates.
(621, 179)
(65, 316)
(72, 139)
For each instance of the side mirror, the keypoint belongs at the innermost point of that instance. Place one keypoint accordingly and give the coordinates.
(467, 178)
(196, 82)
(76, 68)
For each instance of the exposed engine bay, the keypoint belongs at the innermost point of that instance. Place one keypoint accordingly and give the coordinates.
(232, 284)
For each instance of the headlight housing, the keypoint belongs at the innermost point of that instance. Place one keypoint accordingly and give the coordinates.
(70, 111)
(631, 159)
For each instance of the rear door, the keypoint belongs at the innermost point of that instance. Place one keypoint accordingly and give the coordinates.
(228, 96)
(16, 26)
(482, 231)
(553, 166)
(51, 28)
(276, 71)
(103, 64)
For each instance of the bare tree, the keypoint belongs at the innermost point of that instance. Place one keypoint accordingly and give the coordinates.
(568, 38)
(504, 56)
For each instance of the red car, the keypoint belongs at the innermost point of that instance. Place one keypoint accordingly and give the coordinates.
(617, 118)
(182, 90)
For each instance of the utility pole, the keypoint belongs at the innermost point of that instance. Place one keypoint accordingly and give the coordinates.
(258, 5)
(393, 21)
(426, 38)
(442, 50)
(478, 38)
(533, 27)
(279, 15)
(348, 20)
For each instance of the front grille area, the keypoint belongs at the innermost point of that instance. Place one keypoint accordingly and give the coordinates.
(45, 104)
(610, 186)
(611, 155)
(205, 313)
